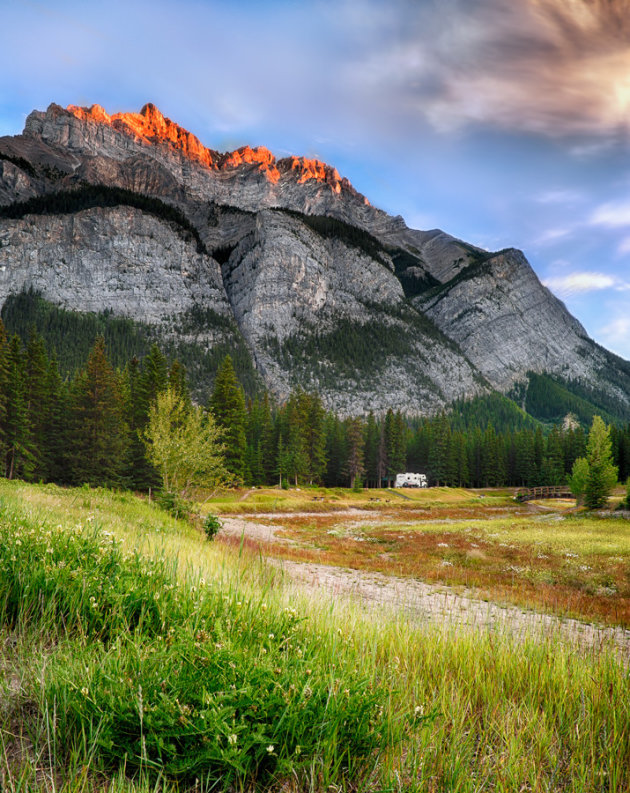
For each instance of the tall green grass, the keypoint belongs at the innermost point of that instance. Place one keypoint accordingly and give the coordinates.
(178, 679)
(379, 702)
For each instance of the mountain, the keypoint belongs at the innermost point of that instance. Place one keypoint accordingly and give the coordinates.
(132, 215)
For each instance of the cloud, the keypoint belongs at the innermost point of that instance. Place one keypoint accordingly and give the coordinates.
(552, 235)
(339, 68)
(616, 334)
(612, 215)
(552, 67)
(561, 197)
(579, 282)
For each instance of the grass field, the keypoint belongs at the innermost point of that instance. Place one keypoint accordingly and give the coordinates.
(541, 555)
(135, 655)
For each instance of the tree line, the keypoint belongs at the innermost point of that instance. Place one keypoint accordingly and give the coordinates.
(91, 428)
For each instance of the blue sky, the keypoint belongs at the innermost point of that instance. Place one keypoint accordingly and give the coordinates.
(503, 122)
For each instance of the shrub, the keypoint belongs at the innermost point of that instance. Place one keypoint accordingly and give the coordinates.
(211, 526)
(173, 504)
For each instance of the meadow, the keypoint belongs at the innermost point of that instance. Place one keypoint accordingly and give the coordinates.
(137, 656)
(540, 555)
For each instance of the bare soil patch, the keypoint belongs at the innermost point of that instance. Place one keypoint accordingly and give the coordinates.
(433, 603)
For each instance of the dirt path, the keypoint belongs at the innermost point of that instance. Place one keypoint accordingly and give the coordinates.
(427, 603)
(438, 605)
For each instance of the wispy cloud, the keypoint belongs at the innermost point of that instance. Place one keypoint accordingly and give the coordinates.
(553, 235)
(554, 67)
(612, 215)
(580, 282)
(616, 334)
(560, 197)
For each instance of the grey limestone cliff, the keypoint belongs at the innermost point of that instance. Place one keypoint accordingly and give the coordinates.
(327, 291)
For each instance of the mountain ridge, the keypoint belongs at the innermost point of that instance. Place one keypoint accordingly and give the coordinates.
(293, 253)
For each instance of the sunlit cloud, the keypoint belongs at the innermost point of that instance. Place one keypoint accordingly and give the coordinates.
(580, 282)
(553, 67)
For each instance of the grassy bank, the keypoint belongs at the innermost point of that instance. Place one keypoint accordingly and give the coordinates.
(137, 656)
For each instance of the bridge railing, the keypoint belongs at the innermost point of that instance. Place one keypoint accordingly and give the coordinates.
(544, 491)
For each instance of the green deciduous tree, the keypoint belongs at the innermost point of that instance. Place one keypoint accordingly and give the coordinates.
(578, 479)
(184, 444)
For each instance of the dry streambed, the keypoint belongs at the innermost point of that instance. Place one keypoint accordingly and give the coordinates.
(430, 604)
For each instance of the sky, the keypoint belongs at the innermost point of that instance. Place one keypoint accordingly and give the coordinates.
(503, 122)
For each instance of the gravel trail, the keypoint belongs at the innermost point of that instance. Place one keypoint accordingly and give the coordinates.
(431, 604)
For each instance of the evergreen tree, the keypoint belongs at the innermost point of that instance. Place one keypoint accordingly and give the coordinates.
(58, 428)
(395, 444)
(153, 381)
(99, 429)
(4, 379)
(553, 463)
(539, 447)
(255, 472)
(139, 473)
(227, 404)
(355, 445)
(38, 405)
(490, 465)
(177, 381)
(315, 438)
(335, 450)
(602, 474)
(371, 451)
(440, 450)
(267, 440)
(17, 452)
(458, 461)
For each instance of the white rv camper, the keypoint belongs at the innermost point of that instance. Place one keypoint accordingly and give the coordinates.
(411, 480)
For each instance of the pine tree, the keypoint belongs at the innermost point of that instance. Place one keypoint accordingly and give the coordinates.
(355, 445)
(18, 457)
(177, 381)
(255, 474)
(58, 428)
(315, 438)
(38, 405)
(153, 381)
(99, 428)
(553, 463)
(602, 474)
(138, 473)
(335, 450)
(4, 376)
(371, 451)
(227, 404)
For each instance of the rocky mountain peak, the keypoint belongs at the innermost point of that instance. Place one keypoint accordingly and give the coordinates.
(151, 128)
(326, 291)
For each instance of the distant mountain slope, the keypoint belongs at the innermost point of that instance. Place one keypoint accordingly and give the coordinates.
(131, 214)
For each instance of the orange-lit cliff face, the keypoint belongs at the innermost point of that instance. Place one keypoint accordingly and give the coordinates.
(151, 127)
(245, 155)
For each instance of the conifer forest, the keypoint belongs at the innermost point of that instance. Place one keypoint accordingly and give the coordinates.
(89, 428)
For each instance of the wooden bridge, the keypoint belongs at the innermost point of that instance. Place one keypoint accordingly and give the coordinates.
(547, 491)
